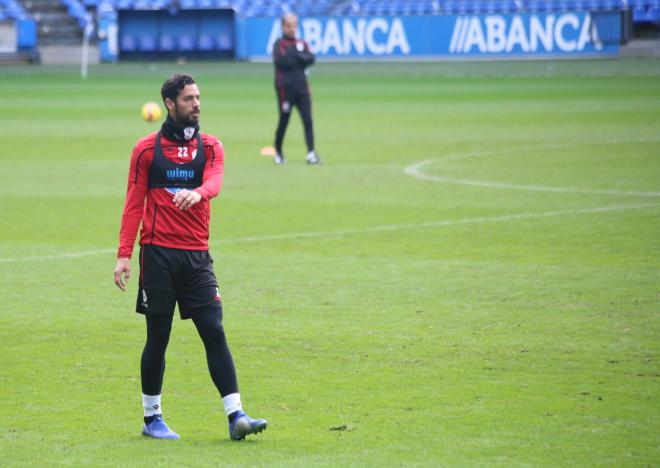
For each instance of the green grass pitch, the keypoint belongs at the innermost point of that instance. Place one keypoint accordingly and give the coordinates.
(472, 277)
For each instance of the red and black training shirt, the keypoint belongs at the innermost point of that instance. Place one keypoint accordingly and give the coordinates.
(162, 222)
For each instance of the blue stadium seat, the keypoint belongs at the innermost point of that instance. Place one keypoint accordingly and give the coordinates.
(147, 43)
(646, 12)
(127, 43)
(541, 6)
(166, 43)
(13, 9)
(206, 42)
(77, 11)
(225, 42)
(186, 43)
(508, 7)
(124, 4)
(272, 10)
(308, 10)
(406, 9)
(456, 7)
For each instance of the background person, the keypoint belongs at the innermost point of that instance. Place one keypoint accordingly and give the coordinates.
(292, 57)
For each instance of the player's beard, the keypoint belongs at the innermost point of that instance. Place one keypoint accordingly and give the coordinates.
(184, 120)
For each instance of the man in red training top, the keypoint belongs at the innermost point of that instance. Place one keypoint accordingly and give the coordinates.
(173, 175)
(291, 57)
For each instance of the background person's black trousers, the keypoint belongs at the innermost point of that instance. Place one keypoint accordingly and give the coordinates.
(288, 99)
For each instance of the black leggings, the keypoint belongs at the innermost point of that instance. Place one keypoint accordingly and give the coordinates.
(303, 102)
(209, 326)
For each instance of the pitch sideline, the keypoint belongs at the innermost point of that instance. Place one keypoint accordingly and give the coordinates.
(383, 228)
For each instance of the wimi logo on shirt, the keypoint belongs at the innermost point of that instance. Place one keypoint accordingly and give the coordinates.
(180, 174)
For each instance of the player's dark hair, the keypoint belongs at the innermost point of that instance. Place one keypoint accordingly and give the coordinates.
(173, 86)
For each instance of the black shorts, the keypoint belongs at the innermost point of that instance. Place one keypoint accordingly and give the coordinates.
(170, 276)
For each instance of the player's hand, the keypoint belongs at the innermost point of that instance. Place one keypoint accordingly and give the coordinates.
(300, 46)
(123, 267)
(184, 199)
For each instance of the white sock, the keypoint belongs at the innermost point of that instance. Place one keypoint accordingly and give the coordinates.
(232, 403)
(151, 404)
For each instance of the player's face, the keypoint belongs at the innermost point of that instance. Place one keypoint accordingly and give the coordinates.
(289, 26)
(186, 109)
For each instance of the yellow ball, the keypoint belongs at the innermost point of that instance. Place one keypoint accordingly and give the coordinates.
(151, 112)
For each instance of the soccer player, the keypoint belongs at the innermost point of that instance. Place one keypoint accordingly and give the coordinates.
(176, 171)
(291, 57)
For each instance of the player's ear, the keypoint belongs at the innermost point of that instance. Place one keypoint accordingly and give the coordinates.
(169, 104)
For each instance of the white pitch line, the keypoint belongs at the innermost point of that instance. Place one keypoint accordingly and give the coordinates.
(548, 146)
(63, 256)
(415, 170)
(382, 228)
(449, 222)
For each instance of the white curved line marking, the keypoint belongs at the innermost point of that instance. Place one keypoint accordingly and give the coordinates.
(415, 170)
(382, 228)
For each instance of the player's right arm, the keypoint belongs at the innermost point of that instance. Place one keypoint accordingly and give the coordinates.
(283, 57)
(137, 187)
(305, 55)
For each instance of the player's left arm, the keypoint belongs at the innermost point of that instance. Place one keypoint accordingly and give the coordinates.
(212, 180)
(305, 56)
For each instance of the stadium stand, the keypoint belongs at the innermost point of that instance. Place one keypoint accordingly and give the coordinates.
(420, 7)
(268, 8)
(136, 39)
(12, 9)
(643, 10)
(17, 22)
(58, 21)
(63, 21)
(77, 11)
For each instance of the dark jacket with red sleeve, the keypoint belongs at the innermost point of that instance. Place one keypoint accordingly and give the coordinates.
(291, 58)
